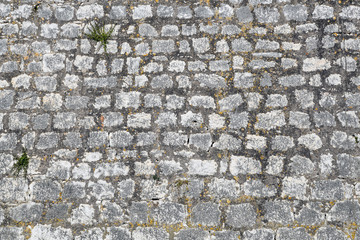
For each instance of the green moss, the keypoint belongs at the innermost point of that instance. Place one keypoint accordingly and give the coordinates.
(22, 163)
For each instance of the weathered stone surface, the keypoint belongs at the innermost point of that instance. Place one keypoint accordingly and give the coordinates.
(278, 212)
(241, 215)
(207, 214)
(189, 120)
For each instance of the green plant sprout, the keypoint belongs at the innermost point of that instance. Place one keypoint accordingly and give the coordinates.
(99, 34)
(22, 163)
(156, 177)
(356, 139)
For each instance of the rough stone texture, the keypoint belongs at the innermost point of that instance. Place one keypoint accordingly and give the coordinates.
(203, 120)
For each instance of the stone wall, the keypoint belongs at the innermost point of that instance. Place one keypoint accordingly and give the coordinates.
(203, 120)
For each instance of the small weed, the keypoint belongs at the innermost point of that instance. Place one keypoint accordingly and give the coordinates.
(22, 163)
(156, 177)
(99, 34)
(179, 183)
(36, 6)
(356, 139)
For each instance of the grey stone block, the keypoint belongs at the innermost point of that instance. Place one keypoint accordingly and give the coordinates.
(299, 119)
(163, 46)
(184, 12)
(202, 167)
(120, 139)
(26, 212)
(127, 100)
(278, 212)
(203, 12)
(230, 30)
(64, 120)
(8, 141)
(18, 120)
(118, 233)
(47, 140)
(161, 81)
(72, 140)
(346, 211)
(296, 12)
(238, 120)
(202, 101)
(191, 234)
(348, 166)
(165, 11)
(64, 13)
(301, 165)
(111, 212)
(6, 161)
(53, 62)
(118, 12)
(28, 100)
(256, 188)
(84, 214)
(276, 100)
(298, 233)
(262, 233)
(244, 165)
(101, 190)
(206, 214)
(241, 215)
(228, 142)
(295, 187)
(90, 11)
(59, 170)
(226, 235)
(45, 190)
(293, 80)
(348, 119)
(267, 14)
(282, 143)
(91, 234)
(310, 215)
(126, 188)
(244, 14)
(166, 119)
(201, 141)
(311, 141)
(142, 12)
(76, 102)
(328, 190)
(329, 233)
(231, 102)
(270, 120)
(98, 139)
(58, 211)
(170, 31)
(170, 167)
(174, 139)
(150, 233)
(13, 189)
(70, 30)
(6, 99)
(11, 233)
(138, 212)
(74, 190)
(169, 213)
(323, 12)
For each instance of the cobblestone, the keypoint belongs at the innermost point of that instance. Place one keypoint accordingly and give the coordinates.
(202, 120)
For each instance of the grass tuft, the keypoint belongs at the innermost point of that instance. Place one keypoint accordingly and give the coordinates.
(98, 33)
(22, 163)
